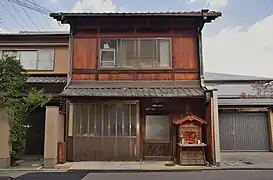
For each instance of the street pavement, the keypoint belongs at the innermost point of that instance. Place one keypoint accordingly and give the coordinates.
(204, 175)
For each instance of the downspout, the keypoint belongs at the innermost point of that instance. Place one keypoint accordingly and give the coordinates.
(200, 53)
(200, 48)
(69, 78)
(71, 54)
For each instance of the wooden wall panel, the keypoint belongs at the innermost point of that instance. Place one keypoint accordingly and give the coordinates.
(85, 53)
(138, 76)
(104, 77)
(185, 52)
(83, 77)
(165, 76)
(187, 76)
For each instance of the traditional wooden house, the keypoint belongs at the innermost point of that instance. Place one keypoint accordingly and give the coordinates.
(131, 77)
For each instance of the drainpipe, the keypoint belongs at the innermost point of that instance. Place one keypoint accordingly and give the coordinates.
(200, 46)
(213, 91)
(200, 57)
(71, 54)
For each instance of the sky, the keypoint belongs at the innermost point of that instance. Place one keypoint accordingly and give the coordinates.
(240, 42)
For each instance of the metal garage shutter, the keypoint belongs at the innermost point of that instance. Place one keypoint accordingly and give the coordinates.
(243, 131)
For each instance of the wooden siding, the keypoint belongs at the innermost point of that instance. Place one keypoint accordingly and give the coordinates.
(184, 60)
(85, 53)
(208, 110)
(185, 52)
(83, 77)
(107, 147)
(138, 76)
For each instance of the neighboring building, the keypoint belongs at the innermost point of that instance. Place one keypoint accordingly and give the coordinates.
(45, 56)
(244, 124)
(131, 76)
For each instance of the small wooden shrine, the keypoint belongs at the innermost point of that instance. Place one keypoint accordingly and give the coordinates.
(191, 149)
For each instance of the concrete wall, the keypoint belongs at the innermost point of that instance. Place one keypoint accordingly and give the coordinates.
(4, 140)
(54, 133)
(216, 128)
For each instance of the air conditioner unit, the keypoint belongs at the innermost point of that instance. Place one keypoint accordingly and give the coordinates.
(108, 57)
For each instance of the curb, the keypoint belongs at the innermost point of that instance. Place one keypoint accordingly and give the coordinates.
(34, 170)
(244, 168)
(142, 170)
(133, 171)
(168, 170)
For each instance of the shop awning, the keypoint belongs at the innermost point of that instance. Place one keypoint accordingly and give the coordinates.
(133, 89)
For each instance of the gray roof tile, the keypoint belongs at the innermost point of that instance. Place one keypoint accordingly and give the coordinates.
(47, 79)
(245, 102)
(233, 90)
(27, 33)
(166, 13)
(135, 92)
(209, 76)
(134, 89)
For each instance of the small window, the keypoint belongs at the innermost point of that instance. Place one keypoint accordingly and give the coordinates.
(45, 59)
(164, 53)
(147, 53)
(157, 127)
(28, 59)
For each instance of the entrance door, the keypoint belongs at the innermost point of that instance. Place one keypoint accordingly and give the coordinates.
(36, 133)
(106, 131)
(157, 143)
(243, 131)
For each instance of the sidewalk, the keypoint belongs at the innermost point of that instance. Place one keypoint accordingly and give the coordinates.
(247, 160)
(144, 166)
(229, 161)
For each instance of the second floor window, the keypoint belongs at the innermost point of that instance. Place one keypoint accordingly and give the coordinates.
(33, 59)
(135, 53)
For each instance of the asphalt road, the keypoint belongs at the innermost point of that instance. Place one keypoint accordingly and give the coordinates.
(205, 175)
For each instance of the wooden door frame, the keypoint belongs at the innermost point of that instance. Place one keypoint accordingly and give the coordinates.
(144, 140)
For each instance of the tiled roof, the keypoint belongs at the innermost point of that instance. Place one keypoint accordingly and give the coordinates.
(133, 90)
(46, 79)
(44, 32)
(34, 33)
(167, 13)
(211, 15)
(245, 102)
(209, 76)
